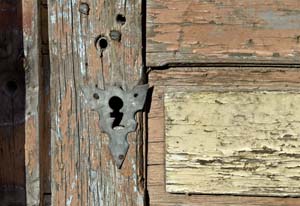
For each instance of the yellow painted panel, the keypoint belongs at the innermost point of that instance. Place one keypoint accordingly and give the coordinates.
(245, 143)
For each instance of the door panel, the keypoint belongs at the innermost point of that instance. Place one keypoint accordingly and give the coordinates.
(249, 31)
(232, 142)
(205, 81)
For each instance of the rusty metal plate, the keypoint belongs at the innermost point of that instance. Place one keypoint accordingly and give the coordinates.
(117, 108)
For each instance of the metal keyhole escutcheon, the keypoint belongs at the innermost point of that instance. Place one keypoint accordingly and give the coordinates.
(117, 108)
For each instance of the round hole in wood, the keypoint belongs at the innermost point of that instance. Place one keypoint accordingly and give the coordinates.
(11, 86)
(102, 43)
(121, 19)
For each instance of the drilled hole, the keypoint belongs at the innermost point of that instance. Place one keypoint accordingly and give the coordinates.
(102, 43)
(121, 19)
(96, 96)
(11, 86)
(136, 95)
(116, 104)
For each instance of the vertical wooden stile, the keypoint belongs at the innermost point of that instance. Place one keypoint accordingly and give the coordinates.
(33, 93)
(83, 171)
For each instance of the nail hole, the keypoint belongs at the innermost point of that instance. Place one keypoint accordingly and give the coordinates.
(96, 96)
(116, 104)
(121, 157)
(136, 95)
(102, 43)
(121, 19)
(84, 8)
(11, 86)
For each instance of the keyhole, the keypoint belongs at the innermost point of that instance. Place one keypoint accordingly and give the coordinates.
(116, 105)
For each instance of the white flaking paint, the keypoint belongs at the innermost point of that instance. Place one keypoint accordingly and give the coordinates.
(69, 201)
(245, 143)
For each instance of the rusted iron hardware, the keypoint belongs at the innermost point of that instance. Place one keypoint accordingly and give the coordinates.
(117, 108)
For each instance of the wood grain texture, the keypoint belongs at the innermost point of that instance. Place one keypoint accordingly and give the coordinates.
(31, 62)
(159, 196)
(250, 31)
(206, 79)
(83, 171)
(243, 143)
(12, 101)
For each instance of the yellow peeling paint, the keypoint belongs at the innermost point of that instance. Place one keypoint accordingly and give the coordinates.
(245, 143)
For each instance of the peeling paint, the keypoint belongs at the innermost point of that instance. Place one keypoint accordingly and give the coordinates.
(241, 143)
(277, 20)
(69, 201)
(203, 31)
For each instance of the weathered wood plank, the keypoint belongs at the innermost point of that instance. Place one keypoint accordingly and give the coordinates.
(156, 152)
(247, 78)
(180, 31)
(233, 143)
(159, 197)
(83, 172)
(12, 105)
(33, 92)
(206, 79)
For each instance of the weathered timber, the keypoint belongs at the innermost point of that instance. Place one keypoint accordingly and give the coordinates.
(206, 79)
(220, 31)
(84, 54)
(33, 128)
(12, 105)
(243, 143)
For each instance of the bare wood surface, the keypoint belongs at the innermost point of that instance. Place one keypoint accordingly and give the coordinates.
(189, 31)
(159, 197)
(83, 171)
(206, 79)
(31, 64)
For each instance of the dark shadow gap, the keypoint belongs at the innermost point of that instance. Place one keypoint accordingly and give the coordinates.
(144, 76)
(223, 65)
(44, 107)
(144, 80)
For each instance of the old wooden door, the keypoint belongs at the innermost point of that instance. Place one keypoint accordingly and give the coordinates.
(223, 127)
(220, 125)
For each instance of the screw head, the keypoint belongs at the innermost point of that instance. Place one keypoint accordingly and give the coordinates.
(96, 96)
(84, 8)
(121, 157)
